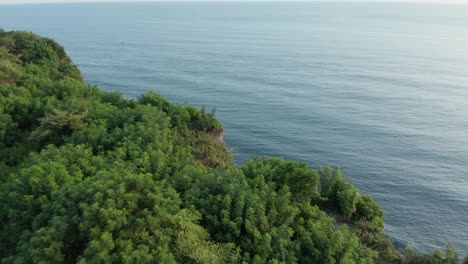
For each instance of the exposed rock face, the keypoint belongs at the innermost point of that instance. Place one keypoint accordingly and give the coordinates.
(218, 135)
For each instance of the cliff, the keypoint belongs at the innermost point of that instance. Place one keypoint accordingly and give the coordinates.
(89, 176)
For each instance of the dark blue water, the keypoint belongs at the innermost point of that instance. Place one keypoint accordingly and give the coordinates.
(380, 90)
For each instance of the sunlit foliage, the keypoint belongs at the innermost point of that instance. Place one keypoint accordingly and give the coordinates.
(87, 176)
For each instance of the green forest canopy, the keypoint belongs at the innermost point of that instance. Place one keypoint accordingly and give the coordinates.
(88, 176)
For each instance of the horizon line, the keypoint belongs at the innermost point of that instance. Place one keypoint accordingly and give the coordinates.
(33, 2)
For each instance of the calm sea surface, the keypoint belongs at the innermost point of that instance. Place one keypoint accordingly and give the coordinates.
(380, 90)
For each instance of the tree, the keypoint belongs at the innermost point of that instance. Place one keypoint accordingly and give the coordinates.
(88, 176)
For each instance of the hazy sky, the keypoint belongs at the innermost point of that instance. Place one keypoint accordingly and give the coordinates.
(75, 1)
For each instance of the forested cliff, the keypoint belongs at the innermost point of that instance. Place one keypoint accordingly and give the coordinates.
(88, 176)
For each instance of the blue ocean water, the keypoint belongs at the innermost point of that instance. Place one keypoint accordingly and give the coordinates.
(380, 90)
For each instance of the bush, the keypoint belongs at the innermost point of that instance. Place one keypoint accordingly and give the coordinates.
(89, 176)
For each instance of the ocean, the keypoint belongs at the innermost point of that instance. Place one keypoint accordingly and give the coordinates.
(377, 89)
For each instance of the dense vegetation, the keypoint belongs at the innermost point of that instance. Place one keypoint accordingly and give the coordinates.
(88, 176)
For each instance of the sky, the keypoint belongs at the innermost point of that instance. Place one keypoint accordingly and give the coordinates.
(78, 1)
